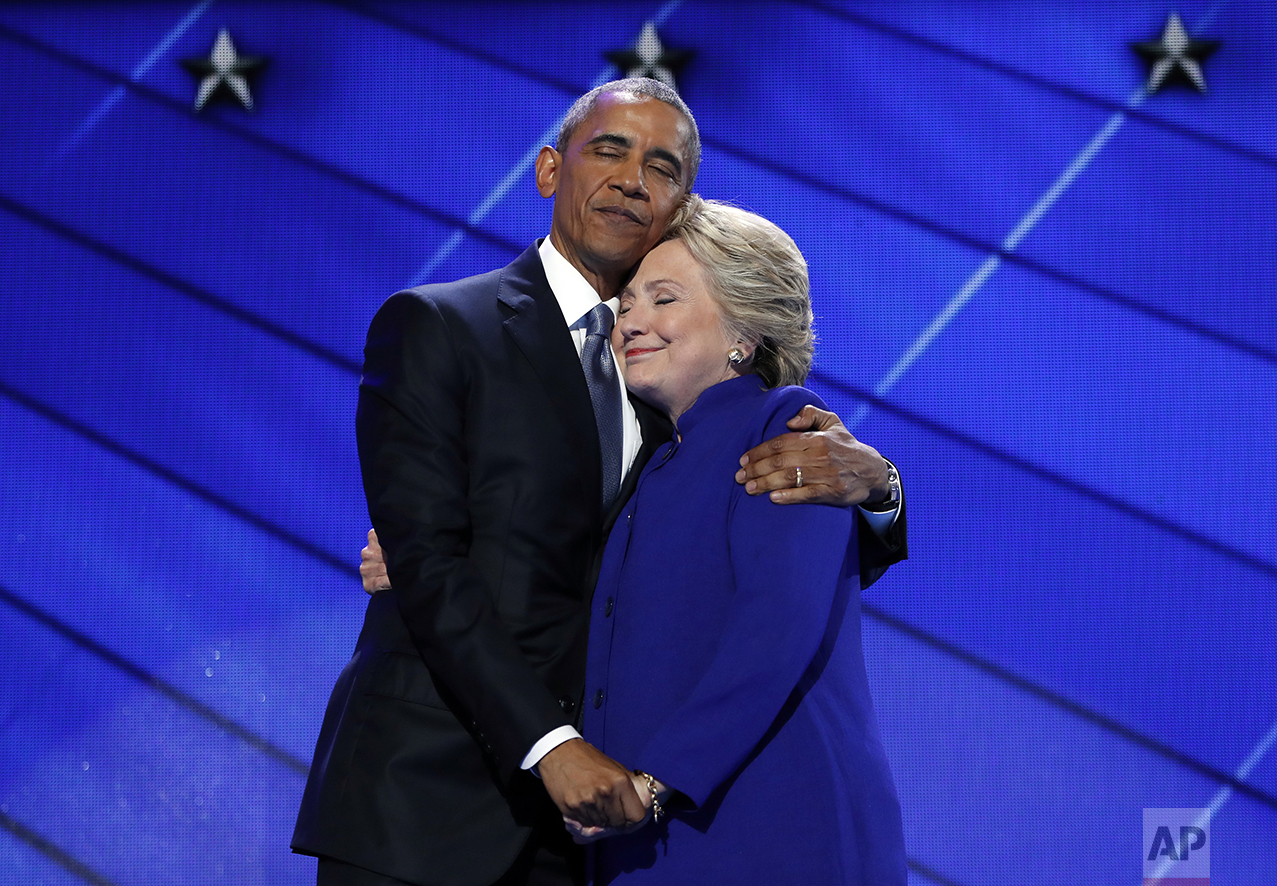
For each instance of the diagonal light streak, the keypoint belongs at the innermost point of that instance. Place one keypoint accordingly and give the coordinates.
(1012, 240)
(1224, 794)
(498, 193)
(98, 114)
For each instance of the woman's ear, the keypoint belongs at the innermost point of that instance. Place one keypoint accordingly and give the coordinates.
(741, 354)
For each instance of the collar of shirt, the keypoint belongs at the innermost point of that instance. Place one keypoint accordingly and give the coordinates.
(575, 296)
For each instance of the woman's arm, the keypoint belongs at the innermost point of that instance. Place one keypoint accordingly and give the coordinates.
(795, 572)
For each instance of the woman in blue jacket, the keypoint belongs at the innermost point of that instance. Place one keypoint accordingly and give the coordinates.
(725, 660)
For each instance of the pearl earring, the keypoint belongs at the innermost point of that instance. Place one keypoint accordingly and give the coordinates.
(736, 355)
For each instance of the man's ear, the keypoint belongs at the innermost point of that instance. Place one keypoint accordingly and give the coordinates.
(548, 171)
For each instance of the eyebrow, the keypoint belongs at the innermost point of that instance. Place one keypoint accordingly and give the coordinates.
(662, 281)
(611, 138)
(668, 157)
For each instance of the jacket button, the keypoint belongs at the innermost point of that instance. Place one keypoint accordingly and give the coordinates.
(607, 608)
(598, 699)
(567, 704)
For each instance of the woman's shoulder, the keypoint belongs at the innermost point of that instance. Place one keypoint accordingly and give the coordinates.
(789, 394)
(781, 404)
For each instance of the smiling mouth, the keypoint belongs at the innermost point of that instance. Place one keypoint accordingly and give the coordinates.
(621, 212)
(639, 352)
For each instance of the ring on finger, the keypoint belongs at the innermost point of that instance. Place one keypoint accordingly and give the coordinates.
(799, 472)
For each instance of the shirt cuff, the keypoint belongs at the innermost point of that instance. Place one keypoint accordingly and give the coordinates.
(547, 743)
(879, 521)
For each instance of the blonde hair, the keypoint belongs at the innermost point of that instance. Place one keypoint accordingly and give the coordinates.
(759, 278)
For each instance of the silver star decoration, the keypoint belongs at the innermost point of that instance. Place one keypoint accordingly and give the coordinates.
(1176, 56)
(224, 71)
(650, 58)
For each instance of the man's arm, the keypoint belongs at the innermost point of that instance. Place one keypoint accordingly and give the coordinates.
(410, 422)
(416, 475)
(836, 469)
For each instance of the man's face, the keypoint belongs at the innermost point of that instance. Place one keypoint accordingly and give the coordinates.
(618, 182)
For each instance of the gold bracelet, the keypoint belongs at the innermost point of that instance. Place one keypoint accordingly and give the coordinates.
(657, 809)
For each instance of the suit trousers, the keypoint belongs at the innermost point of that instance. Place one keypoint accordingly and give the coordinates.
(549, 859)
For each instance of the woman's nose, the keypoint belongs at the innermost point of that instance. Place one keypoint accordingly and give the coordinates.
(630, 323)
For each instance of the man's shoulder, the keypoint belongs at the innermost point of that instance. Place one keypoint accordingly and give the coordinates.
(444, 314)
(476, 295)
(456, 294)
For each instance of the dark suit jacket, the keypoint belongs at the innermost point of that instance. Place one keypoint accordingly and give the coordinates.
(481, 466)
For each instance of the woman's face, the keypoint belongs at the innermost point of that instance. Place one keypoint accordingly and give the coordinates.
(670, 334)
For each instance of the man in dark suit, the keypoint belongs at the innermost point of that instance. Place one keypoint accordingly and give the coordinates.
(488, 486)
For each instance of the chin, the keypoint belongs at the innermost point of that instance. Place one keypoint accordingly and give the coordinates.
(638, 389)
(628, 257)
(647, 393)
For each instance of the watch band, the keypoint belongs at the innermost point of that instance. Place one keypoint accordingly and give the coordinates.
(892, 501)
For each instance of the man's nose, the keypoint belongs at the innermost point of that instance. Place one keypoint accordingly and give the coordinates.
(631, 179)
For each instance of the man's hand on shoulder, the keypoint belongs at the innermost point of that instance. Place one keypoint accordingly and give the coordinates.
(835, 467)
(372, 566)
(590, 787)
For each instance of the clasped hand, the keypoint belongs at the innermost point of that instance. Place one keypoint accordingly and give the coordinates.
(583, 833)
(590, 788)
(597, 796)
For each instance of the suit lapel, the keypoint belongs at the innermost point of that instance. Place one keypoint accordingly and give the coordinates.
(535, 323)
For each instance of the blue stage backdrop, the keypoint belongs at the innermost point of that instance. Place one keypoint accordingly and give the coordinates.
(1045, 292)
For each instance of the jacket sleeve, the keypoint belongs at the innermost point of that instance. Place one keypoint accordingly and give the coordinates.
(877, 553)
(412, 450)
(793, 566)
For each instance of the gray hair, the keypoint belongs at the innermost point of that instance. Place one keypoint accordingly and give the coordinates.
(759, 278)
(585, 105)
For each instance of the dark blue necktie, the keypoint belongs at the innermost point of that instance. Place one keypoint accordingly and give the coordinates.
(605, 393)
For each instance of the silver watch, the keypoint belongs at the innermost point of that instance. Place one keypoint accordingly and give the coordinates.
(892, 501)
